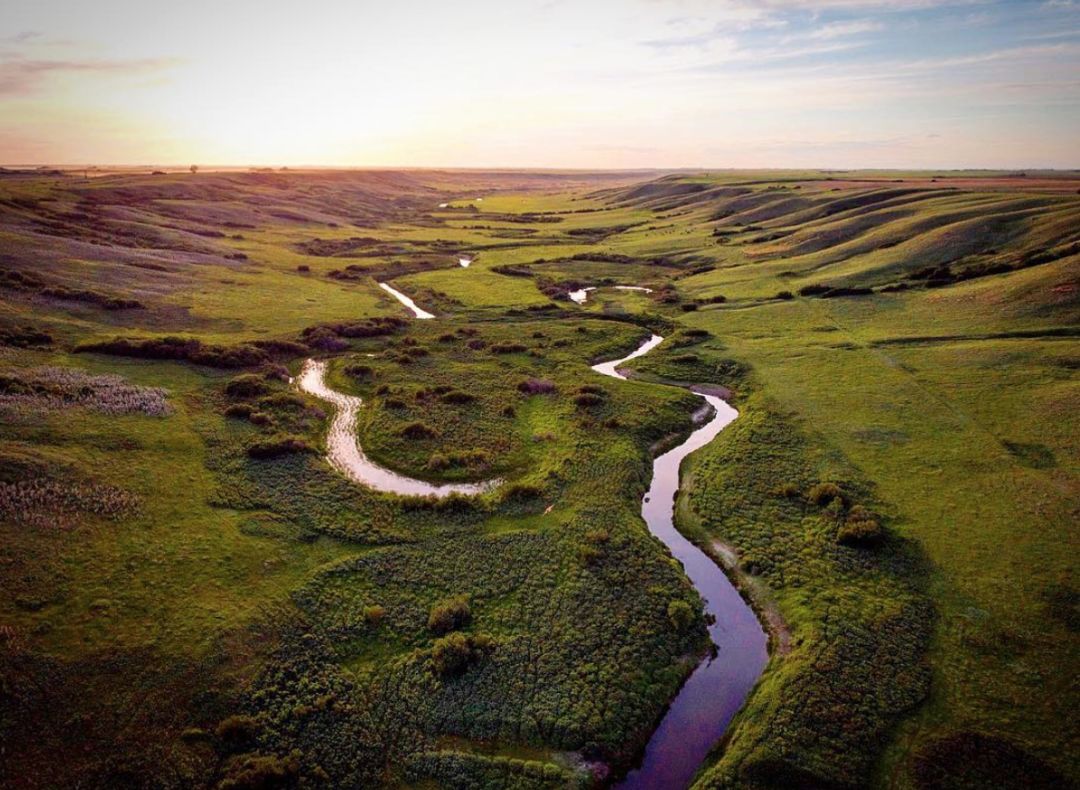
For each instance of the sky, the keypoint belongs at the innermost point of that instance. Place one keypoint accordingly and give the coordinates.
(542, 83)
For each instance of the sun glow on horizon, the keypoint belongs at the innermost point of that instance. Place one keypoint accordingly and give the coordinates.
(670, 83)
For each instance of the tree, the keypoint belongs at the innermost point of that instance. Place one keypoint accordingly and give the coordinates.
(194, 169)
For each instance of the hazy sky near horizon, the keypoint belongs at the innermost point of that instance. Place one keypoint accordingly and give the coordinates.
(542, 83)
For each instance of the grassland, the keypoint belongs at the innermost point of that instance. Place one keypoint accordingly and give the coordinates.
(195, 598)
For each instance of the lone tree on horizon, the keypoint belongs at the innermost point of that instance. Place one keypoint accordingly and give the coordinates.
(194, 169)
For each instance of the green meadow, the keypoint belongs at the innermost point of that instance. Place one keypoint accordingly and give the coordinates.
(193, 597)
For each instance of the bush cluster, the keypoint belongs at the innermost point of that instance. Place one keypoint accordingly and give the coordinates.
(533, 386)
(181, 348)
(34, 283)
(455, 653)
(25, 336)
(279, 446)
(449, 615)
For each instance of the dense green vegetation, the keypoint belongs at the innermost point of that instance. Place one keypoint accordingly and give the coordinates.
(192, 596)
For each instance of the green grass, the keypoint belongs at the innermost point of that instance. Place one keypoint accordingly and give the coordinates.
(280, 591)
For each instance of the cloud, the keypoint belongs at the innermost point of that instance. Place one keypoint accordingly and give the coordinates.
(24, 76)
(879, 5)
(722, 32)
(21, 38)
(841, 30)
(1041, 52)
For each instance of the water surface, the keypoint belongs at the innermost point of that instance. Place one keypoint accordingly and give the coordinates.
(717, 688)
(345, 454)
(417, 311)
(582, 294)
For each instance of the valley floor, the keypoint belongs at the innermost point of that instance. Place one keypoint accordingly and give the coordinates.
(193, 596)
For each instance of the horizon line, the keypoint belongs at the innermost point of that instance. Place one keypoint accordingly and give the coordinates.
(542, 168)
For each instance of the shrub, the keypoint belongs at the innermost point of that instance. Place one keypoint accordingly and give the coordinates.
(469, 458)
(454, 653)
(24, 337)
(477, 344)
(261, 772)
(785, 295)
(788, 490)
(822, 494)
(246, 386)
(680, 614)
(260, 418)
(860, 528)
(277, 447)
(598, 537)
(688, 307)
(592, 389)
(418, 431)
(287, 349)
(179, 348)
(236, 732)
(287, 401)
(357, 371)
(457, 397)
(450, 615)
(587, 400)
(276, 373)
(686, 359)
(589, 554)
(537, 387)
(324, 339)
(303, 267)
(508, 348)
(240, 411)
(374, 615)
(521, 492)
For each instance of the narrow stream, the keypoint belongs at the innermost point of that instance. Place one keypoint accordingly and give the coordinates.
(581, 295)
(717, 688)
(416, 311)
(345, 454)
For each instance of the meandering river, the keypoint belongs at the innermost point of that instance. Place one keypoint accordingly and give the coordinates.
(717, 688)
(344, 451)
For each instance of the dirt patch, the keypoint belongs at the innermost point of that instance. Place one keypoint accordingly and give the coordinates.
(716, 390)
